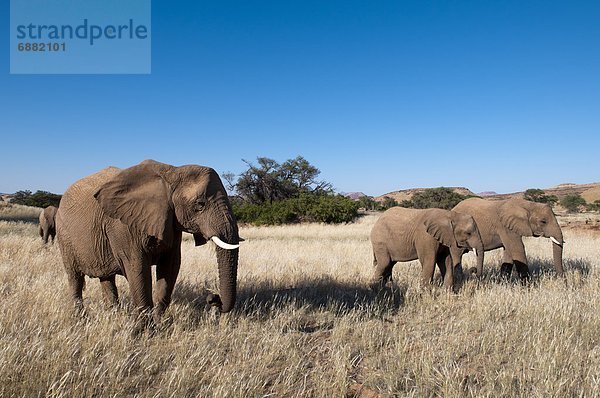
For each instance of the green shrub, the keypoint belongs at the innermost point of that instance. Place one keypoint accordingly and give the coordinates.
(37, 199)
(368, 203)
(572, 202)
(443, 198)
(306, 208)
(539, 196)
(593, 206)
(388, 203)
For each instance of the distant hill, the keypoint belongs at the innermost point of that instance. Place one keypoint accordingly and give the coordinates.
(354, 195)
(407, 194)
(590, 192)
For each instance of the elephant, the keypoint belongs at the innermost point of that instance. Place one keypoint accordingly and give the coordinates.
(431, 235)
(123, 221)
(503, 223)
(47, 223)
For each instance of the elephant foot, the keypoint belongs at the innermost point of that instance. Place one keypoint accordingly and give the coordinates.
(214, 300)
(144, 321)
(505, 270)
(379, 285)
(523, 271)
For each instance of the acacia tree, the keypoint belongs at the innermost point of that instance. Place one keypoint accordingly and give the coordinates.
(268, 181)
(301, 176)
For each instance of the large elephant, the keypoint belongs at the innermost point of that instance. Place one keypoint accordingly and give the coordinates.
(431, 235)
(47, 223)
(121, 222)
(503, 223)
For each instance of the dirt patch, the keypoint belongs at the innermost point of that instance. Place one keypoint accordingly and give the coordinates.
(584, 223)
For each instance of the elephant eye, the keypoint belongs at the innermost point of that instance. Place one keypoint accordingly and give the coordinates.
(199, 205)
(543, 221)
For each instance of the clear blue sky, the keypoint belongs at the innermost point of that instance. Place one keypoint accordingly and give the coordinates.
(380, 95)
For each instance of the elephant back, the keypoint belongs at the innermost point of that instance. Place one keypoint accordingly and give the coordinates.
(81, 223)
(80, 195)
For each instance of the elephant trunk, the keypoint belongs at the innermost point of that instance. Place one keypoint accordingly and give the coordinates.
(555, 234)
(480, 256)
(476, 243)
(557, 251)
(227, 259)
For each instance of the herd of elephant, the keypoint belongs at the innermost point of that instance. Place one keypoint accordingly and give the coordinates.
(123, 221)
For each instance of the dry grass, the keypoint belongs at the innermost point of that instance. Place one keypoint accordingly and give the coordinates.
(11, 212)
(305, 325)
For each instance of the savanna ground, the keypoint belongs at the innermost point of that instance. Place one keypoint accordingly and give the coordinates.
(305, 324)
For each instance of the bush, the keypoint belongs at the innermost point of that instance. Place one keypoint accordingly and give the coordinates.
(38, 199)
(306, 208)
(593, 206)
(388, 203)
(572, 202)
(539, 196)
(443, 198)
(368, 203)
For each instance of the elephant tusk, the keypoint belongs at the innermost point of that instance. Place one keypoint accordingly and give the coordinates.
(222, 244)
(553, 239)
(475, 251)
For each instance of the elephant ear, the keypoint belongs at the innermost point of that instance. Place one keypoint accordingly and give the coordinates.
(441, 229)
(140, 198)
(516, 219)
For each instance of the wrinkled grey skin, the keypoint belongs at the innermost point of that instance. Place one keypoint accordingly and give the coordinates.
(47, 224)
(121, 222)
(503, 223)
(430, 235)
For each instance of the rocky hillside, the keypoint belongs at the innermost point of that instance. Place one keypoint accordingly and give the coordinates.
(407, 194)
(590, 192)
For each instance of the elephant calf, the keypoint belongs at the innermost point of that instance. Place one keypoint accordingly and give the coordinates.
(47, 223)
(430, 235)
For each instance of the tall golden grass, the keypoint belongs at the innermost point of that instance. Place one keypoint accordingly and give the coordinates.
(305, 325)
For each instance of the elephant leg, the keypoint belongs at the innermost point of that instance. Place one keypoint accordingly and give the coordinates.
(444, 263)
(427, 260)
(450, 270)
(139, 276)
(440, 260)
(166, 276)
(383, 270)
(523, 271)
(76, 284)
(517, 252)
(45, 236)
(41, 232)
(109, 291)
(507, 264)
